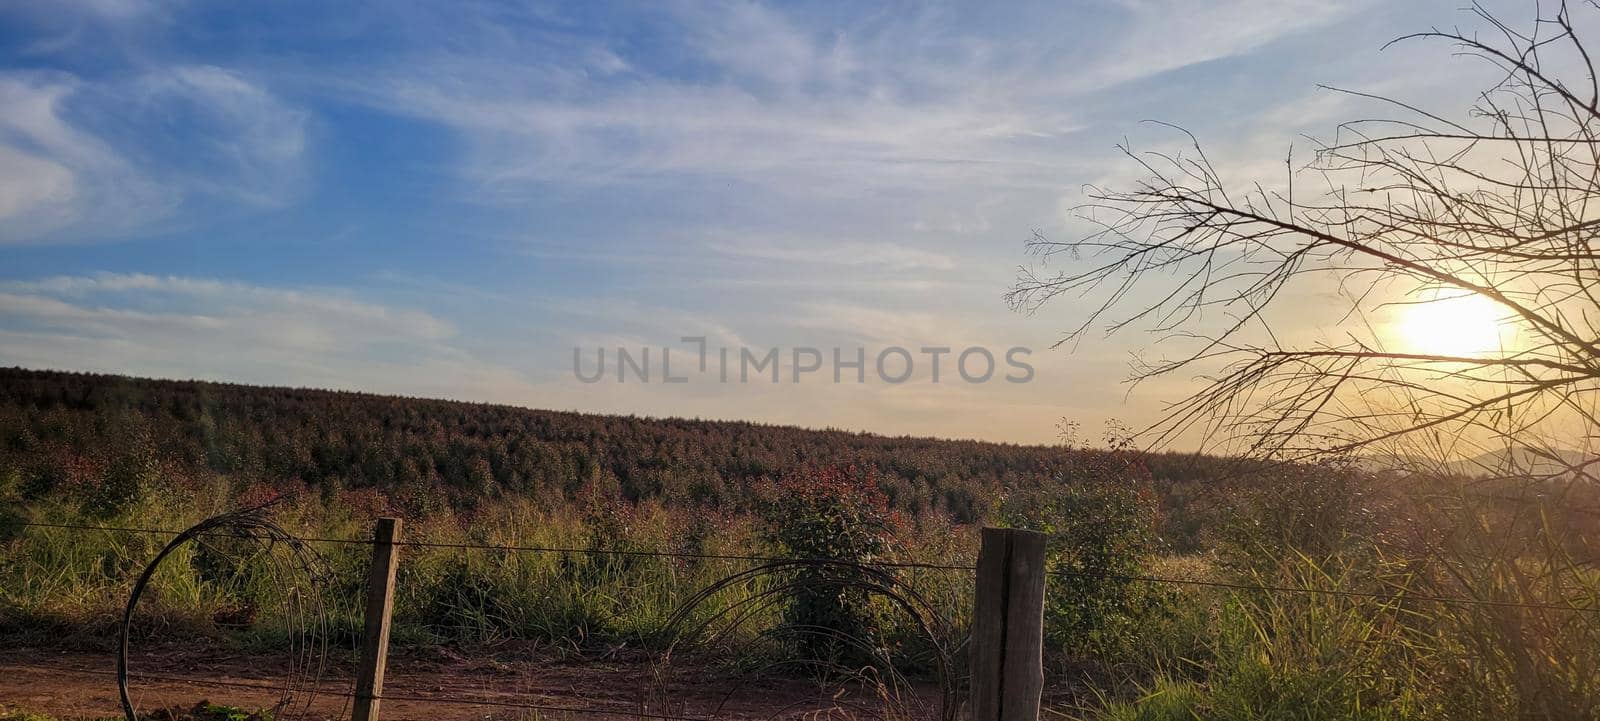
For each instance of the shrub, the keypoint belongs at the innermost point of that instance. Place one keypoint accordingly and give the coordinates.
(1100, 524)
(837, 514)
(126, 481)
(1323, 511)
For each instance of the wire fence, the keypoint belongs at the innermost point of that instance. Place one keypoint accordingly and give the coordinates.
(927, 565)
(530, 549)
(1390, 597)
(1396, 596)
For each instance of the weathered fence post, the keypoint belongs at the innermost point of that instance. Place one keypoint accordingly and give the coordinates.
(380, 602)
(1008, 627)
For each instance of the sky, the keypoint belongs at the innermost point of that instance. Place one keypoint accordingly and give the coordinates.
(457, 199)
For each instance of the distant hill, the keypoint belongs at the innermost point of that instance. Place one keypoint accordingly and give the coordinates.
(1520, 461)
(1511, 462)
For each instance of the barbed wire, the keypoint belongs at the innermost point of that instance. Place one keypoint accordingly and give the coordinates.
(533, 549)
(1452, 600)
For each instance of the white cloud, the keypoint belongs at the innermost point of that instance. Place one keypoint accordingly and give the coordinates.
(31, 184)
(57, 175)
(88, 160)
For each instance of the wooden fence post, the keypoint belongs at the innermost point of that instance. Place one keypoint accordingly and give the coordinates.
(1008, 627)
(375, 637)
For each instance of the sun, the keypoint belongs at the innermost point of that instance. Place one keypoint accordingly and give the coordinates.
(1463, 324)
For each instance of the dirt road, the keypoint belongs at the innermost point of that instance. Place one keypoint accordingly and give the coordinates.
(78, 685)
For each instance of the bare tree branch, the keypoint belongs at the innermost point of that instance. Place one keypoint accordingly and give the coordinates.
(1414, 207)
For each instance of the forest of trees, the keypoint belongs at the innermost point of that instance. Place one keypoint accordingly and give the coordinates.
(60, 430)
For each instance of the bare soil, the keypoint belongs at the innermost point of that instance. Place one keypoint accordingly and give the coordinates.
(421, 686)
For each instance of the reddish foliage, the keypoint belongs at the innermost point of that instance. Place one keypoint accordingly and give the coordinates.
(257, 494)
(365, 502)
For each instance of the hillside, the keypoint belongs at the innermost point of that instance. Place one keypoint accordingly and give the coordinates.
(407, 446)
(66, 428)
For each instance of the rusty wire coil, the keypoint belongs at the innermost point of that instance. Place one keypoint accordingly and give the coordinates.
(300, 571)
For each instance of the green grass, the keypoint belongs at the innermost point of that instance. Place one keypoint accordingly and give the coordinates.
(1316, 657)
(16, 715)
(11, 714)
(1168, 700)
(62, 581)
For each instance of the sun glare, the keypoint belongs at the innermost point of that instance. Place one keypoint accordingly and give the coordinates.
(1456, 325)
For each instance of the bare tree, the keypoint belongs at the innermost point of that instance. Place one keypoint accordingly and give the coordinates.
(1410, 206)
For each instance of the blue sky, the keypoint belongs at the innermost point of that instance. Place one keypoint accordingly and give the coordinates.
(446, 199)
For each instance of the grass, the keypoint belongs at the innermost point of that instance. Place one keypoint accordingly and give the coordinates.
(62, 580)
(8, 714)
(1190, 653)
(1314, 657)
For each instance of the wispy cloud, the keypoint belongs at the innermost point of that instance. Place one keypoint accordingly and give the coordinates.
(773, 102)
(239, 139)
(104, 159)
(170, 306)
(769, 97)
(883, 254)
(59, 175)
(1157, 36)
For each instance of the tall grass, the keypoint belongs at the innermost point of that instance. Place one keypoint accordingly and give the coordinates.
(1400, 653)
(624, 573)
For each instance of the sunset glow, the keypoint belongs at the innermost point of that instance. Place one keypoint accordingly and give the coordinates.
(1453, 325)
